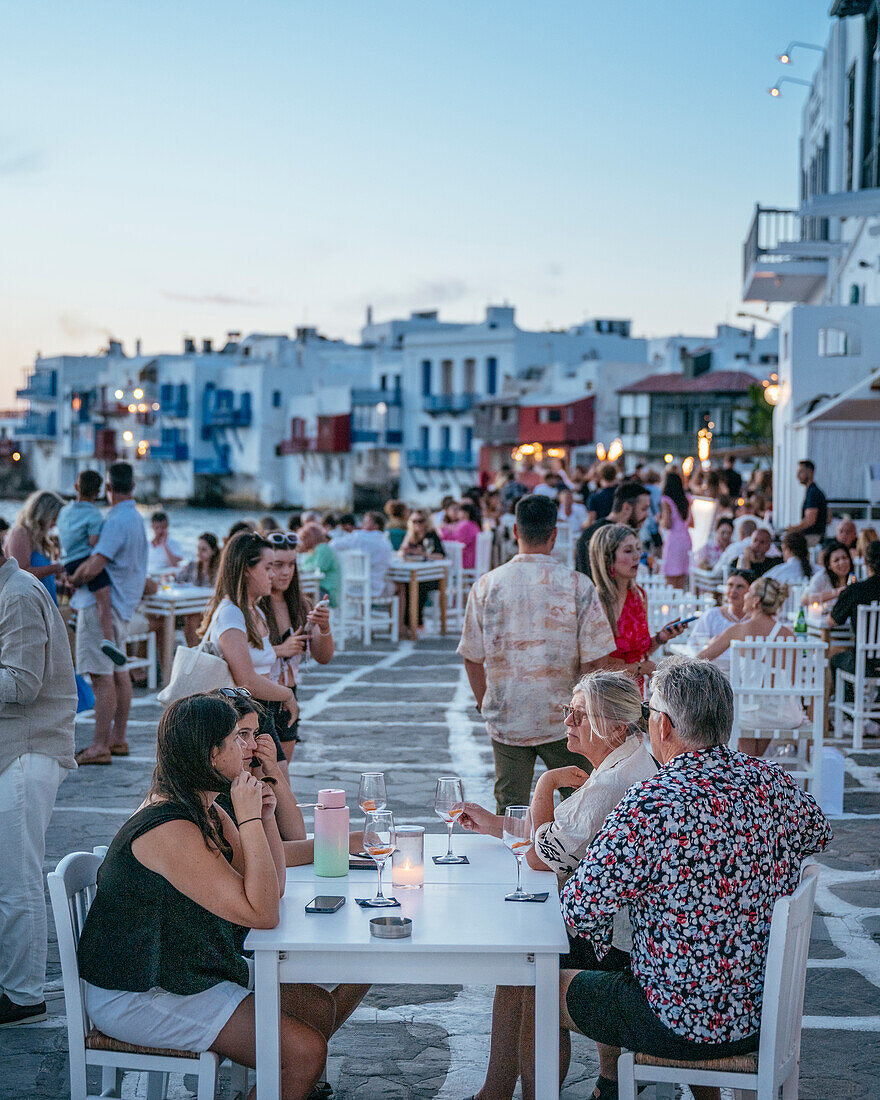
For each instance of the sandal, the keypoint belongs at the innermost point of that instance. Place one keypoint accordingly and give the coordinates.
(87, 756)
(121, 749)
(605, 1089)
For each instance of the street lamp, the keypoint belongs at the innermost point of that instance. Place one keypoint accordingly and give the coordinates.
(775, 92)
(785, 56)
(757, 317)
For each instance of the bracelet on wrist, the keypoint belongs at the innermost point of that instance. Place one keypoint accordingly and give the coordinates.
(248, 820)
(325, 633)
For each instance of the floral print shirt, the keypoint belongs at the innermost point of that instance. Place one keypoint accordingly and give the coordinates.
(532, 623)
(699, 853)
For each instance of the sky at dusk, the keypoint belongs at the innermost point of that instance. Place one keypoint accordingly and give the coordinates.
(172, 169)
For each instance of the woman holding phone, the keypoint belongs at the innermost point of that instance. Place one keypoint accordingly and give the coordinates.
(296, 629)
(235, 626)
(615, 551)
(178, 886)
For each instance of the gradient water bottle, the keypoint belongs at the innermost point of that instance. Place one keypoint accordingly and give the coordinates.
(331, 834)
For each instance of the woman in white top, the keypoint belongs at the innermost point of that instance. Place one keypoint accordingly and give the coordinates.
(236, 629)
(796, 567)
(717, 619)
(295, 627)
(604, 722)
(830, 579)
(763, 600)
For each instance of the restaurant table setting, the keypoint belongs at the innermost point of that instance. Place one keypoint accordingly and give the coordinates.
(442, 921)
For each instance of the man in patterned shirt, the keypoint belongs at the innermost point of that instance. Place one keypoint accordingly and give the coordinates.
(532, 628)
(699, 853)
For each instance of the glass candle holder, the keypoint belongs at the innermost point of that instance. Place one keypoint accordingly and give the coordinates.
(408, 860)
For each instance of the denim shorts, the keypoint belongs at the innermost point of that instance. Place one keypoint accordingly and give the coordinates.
(611, 1008)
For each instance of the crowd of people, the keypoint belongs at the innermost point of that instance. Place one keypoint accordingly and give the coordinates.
(645, 812)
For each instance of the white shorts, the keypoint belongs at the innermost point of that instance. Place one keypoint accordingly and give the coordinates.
(161, 1019)
(90, 658)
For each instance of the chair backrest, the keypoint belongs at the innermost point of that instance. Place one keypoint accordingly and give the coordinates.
(454, 551)
(666, 604)
(72, 888)
(785, 977)
(785, 666)
(485, 541)
(792, 601)
(354, 565)
(867, 632)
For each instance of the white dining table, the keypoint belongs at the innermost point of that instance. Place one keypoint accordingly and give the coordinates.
(167, 603)
(463, 932)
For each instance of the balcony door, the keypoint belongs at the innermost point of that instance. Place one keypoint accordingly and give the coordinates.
(448, 378)
(470, 376)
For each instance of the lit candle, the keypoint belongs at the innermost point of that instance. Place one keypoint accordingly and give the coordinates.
(408, 861)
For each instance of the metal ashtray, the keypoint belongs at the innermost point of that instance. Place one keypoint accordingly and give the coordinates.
(391, 928)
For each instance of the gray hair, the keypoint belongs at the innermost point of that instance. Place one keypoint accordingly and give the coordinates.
(611, 700)
(697, 698)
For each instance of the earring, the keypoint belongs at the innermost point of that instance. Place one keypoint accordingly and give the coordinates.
(611, 571)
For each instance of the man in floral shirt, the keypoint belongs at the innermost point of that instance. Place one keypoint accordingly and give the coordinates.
(699, 853)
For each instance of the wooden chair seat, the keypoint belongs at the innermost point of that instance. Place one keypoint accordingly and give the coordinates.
(97, 1040)
(736, 1063)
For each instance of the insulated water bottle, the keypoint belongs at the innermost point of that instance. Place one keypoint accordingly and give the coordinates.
(331, 834)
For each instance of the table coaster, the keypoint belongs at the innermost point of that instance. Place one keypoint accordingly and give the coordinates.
(366, 903)
(535, 897)
(450, 863)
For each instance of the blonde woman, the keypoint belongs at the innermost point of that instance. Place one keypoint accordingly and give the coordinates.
(762, 603)
(423, 543)
(615, 551)
(28, 541)
(604, 722)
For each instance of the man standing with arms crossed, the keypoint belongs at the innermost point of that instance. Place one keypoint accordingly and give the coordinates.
(37, 710)
(532, 627)
(121, 550)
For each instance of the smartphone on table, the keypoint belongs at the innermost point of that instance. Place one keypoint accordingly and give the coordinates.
(325, 903)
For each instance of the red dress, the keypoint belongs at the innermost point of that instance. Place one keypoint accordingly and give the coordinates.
(633, 635)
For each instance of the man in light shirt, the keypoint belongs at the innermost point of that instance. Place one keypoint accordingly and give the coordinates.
(372, 541)
(165, 554)
(121, 549)
(532, 628)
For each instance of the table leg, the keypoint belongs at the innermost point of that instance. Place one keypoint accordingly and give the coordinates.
(267, 1024)
(414, 604)
(443, 607)
(168, 645)
(546, 1027)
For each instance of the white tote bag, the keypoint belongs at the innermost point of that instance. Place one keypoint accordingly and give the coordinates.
(194, 672)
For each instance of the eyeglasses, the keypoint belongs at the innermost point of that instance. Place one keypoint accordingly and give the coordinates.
(646, 713)
(283, 538)
(234, 693)
(576, 713)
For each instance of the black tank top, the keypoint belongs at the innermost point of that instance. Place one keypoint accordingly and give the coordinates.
(141, 932)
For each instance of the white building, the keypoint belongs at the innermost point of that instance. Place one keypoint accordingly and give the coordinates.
(823, 259)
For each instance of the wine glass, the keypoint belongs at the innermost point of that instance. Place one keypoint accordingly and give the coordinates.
(371, 793)
(380, 840)
(518, 838)
(448, 800)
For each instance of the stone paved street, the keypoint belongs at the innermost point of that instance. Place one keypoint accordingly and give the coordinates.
(409, 713)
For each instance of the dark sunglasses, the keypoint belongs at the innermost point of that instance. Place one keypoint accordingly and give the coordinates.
(646, 713)
(283, 538)
(234, 693)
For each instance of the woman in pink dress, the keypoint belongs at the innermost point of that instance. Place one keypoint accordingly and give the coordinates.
(464, 530)
(676, 518)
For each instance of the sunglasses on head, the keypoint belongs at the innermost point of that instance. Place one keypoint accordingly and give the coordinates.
(283, 538)
(234, 693)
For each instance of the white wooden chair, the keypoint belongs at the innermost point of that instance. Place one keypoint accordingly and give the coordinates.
(777, 1064)
(563, 550)
(666, 604)
(789, 610)
(455, 586)
(765, 675)
(865, 687)
(148, 662)
(384, 617)
(72, 888)
(354, 595)
(482, 561)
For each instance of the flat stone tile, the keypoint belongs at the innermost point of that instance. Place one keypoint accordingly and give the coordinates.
(837, 991)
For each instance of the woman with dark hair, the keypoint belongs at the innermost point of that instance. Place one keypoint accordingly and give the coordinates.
(615, 551)
(236, 627)
(796, 567)
(676, 518)
(465, 530)
(202, 573)
(294, 627)
(160, 949)
(237, 528)
(827, 583)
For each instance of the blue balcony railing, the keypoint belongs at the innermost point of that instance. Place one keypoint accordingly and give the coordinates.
(174, 400)
(448, 402)
(41, 385)
(222, 413)
(375, 397)
(214, 465)
(169, 452)
(440, 460)
(390, 438)
(38, 426)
